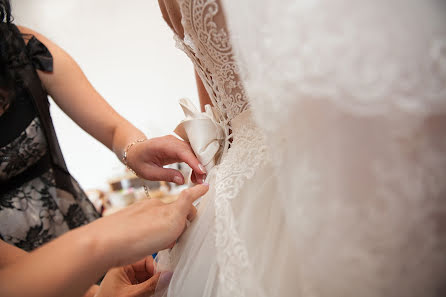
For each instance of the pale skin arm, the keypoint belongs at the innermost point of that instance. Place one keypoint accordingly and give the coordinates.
(172, 15)
(203, 95)
(10, 254)
(47, 270)
(70, 264)
(80, 256)
(75, 95)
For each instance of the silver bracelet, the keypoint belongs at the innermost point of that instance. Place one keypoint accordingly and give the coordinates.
(125, 161)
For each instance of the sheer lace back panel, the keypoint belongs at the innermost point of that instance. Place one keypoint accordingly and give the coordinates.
(206, 42)
(203, 36)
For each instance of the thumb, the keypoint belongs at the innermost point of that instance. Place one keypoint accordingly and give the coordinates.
(148, 287)
(164, 174)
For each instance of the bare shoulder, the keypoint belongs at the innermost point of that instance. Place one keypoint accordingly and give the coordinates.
(54, 49)
(30, 32)
(26, 30)
(60, 57)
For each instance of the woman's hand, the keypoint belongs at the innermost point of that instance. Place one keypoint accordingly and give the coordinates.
(148, 158)
(72, 91)
(69, 265)
(145, 227)
(135, 280)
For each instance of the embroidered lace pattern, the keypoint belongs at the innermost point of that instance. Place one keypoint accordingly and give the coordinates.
(207, 44)
(248, 152)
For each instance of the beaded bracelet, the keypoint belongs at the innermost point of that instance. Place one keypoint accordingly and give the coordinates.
(125, 161)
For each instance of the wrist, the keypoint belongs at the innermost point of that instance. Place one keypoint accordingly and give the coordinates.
(94, 240)
(122, 137)
(125, 156)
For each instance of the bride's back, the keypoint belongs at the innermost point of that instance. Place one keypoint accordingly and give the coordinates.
(354, 108)
(201, 33)
(239, 240)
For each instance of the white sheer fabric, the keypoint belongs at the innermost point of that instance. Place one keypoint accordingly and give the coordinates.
(239, 238)
(331, 180)
(351, 96)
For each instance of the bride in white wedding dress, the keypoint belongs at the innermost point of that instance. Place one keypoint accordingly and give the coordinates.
(325, 148)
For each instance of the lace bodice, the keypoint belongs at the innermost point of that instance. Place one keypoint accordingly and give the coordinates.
(207, 44)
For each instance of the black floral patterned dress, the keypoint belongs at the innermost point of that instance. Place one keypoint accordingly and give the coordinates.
(39, 200)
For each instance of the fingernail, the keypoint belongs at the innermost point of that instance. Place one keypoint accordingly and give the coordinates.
(165, 278)
(202, 168)
(178, 180)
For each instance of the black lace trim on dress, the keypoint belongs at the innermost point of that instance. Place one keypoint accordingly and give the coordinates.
(37, 169)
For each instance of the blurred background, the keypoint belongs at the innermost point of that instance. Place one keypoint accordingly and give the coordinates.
(129, 55)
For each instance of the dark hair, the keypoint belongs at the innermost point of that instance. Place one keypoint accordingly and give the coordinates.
(10, 46)
(5, 11)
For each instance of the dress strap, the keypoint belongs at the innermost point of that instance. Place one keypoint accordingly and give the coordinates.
(41, 58)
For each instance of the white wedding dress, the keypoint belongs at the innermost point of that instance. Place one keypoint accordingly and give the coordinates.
(239, 224)
(325, 146)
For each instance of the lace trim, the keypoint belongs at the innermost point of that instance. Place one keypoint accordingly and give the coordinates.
(207, 44)
(23, 152)
(248, 152)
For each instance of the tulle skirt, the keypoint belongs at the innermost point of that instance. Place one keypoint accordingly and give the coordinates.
(239, 244)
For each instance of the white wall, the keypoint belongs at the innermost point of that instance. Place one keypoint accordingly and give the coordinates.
(129, 55)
